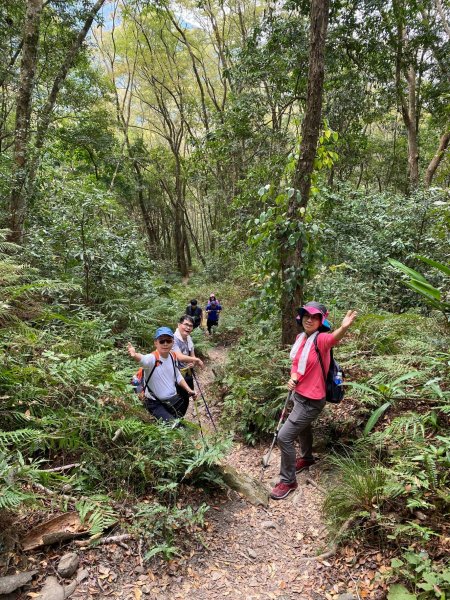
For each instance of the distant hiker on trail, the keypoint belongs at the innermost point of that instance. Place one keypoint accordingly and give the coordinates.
(185, 346)
(162, 377)
(213, 309)
(308, 386)
(195, 311)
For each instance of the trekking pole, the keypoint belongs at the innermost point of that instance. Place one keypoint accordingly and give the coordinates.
(204, 401)
(197, 414)
(265, 459)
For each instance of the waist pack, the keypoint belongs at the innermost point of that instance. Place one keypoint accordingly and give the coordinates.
(334, 392)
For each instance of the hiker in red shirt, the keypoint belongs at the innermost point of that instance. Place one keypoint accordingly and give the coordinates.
(308, 386)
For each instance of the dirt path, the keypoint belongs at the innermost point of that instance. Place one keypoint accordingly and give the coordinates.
(247, 552)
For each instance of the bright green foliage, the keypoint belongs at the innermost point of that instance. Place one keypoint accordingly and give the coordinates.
(96, 513)
(273, 230)
(359, 230)
(361, 487)
(417, 282)
(254, 378)
(65, 395)
(14, 472)
(429, 581)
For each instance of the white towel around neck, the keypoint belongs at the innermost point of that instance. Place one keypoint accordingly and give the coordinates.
(305, 352)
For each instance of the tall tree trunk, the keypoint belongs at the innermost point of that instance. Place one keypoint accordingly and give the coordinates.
(181, 241)
(408, 104)
(291, 257)
(437, 158)
(410, 120)
(18, 204)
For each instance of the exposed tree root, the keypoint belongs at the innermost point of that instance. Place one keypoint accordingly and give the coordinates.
(316, 485)
(334, 546)
(110, 539)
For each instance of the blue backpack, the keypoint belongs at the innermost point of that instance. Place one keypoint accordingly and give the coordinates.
(334, 384)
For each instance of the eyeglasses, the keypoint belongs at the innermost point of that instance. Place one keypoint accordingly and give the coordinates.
(315, 317)
(187, 324)
(166, 341)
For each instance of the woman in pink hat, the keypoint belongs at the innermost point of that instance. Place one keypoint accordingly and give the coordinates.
(307, 385)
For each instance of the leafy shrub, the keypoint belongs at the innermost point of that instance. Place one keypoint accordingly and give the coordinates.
(254, 381)
(164, 527)
(66, 398)
(428, 580)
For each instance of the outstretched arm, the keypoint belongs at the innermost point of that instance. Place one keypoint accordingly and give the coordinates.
(185, 358)
(132, 352)
(347, 321)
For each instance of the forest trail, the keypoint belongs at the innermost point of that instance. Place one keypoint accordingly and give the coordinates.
(246, 552)
(255, 553)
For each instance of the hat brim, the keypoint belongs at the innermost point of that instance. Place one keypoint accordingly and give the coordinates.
(163, 331)
(311, 310)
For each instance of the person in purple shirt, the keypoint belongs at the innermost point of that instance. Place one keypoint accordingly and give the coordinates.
(213, 309)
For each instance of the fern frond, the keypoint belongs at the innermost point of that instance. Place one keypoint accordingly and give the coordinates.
(20, 437)
(11, 498)
(43, 286)
(410, 426)
(97, 513)
(82, 370)
(430, 468)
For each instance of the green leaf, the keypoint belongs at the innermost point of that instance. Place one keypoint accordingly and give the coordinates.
(399, 592)
(425, 289)
(364, 388)
(411, 272)
(404, 377)
(396, 562)
(373, 420)
(434, 263)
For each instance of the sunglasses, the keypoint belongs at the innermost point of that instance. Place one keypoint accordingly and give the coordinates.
(166, 341)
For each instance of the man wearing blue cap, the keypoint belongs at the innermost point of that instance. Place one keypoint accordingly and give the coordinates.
(162, 376)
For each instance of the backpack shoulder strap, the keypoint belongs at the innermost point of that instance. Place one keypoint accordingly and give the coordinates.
(320, 358)
(173, 356)
(157, 363)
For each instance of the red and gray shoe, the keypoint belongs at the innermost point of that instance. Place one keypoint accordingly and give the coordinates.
(281, 490)
(301, 464)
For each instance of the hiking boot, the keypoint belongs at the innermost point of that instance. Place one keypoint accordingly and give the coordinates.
(281, 490)
(303, 463)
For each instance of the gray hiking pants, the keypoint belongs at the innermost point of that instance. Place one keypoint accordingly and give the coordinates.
(297, 425)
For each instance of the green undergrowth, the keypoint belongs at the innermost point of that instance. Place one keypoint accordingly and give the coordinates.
(253, 383)
(393, 483)
(66, 399)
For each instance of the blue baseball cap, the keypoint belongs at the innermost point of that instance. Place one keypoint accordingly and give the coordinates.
(163, 331)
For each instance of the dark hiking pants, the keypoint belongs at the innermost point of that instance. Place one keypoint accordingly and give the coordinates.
(297, 426)
(211, 323)
(183, 393)
(167, 410)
